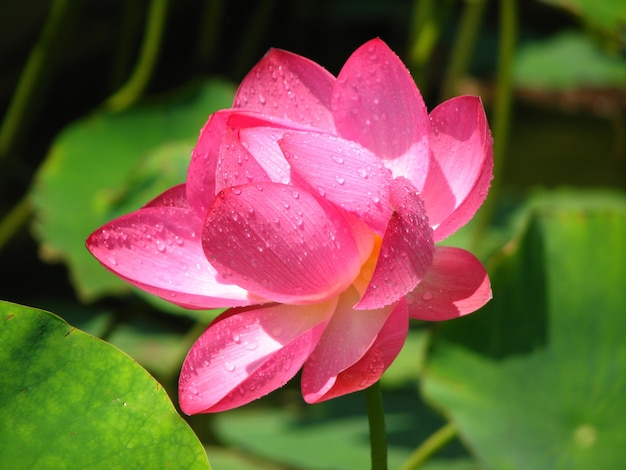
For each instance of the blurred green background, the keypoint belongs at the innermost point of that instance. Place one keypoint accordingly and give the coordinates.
(100, 106)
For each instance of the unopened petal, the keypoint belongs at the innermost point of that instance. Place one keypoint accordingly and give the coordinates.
(281, 243)
(289, 86)
(462, 164)
(360, 344)
(159, 250)
(456, 284)
(247, 353)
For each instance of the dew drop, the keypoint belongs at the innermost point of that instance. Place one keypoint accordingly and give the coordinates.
(337, 159)
(362, 172)
(261, 99)
(427, 296)
(235, 191)
(251, 346)
(229, 366)
(340, 180)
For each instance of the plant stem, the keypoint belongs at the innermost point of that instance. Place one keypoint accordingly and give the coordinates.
(15, 220)
(35, 77)
(430, 446)
(376, 418)
(134, 87)
(502, 110)
(209, 32)
(463, 47)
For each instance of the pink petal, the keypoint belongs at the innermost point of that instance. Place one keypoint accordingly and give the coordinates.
(202, 168)
(235, 165)
(455, 285)
(281, 243)
(343, 172)
(289, 86)
(247, 353)
(360, 344)
(462, 165)
(406, 252)
(262, 143)
(376, 103)
(202, 171)
(173, 197)
(158, 249)
(368, 370)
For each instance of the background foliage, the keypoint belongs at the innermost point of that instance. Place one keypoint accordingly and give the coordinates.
(101, 103)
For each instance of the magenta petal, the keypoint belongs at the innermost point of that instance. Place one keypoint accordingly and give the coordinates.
(159, 250)
(343, 172)
(281, 243)
(202, 168)
(289, 86)
(247, 353)
(455, 285)
(376, 103)
(262, 144)
(406, 252)
(462, 165)
(173, 197)
(214, 139)
(236, 166)
(368, 370)
(367, 340)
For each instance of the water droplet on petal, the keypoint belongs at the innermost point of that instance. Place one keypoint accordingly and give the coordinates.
(261, 99)
(427, 296)
(251, 346)
(229, 366)
(340, 180)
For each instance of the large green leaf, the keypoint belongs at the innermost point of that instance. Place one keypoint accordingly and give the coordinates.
(69, 400)
(608, 15)
(567, 61)
(542, 382)
(109, 164)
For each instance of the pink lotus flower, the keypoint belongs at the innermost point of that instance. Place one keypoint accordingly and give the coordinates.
(313, 207)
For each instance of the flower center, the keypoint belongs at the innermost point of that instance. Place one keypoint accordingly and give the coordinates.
(364, 277)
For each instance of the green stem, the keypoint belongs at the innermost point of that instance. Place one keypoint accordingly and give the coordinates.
(252, 36)
(376, 418)
(134, 87)
(502, 111)
(15, 220)
(463, 47)
(430, 446)
(209, 32)
(36, 75)
(425, 31)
